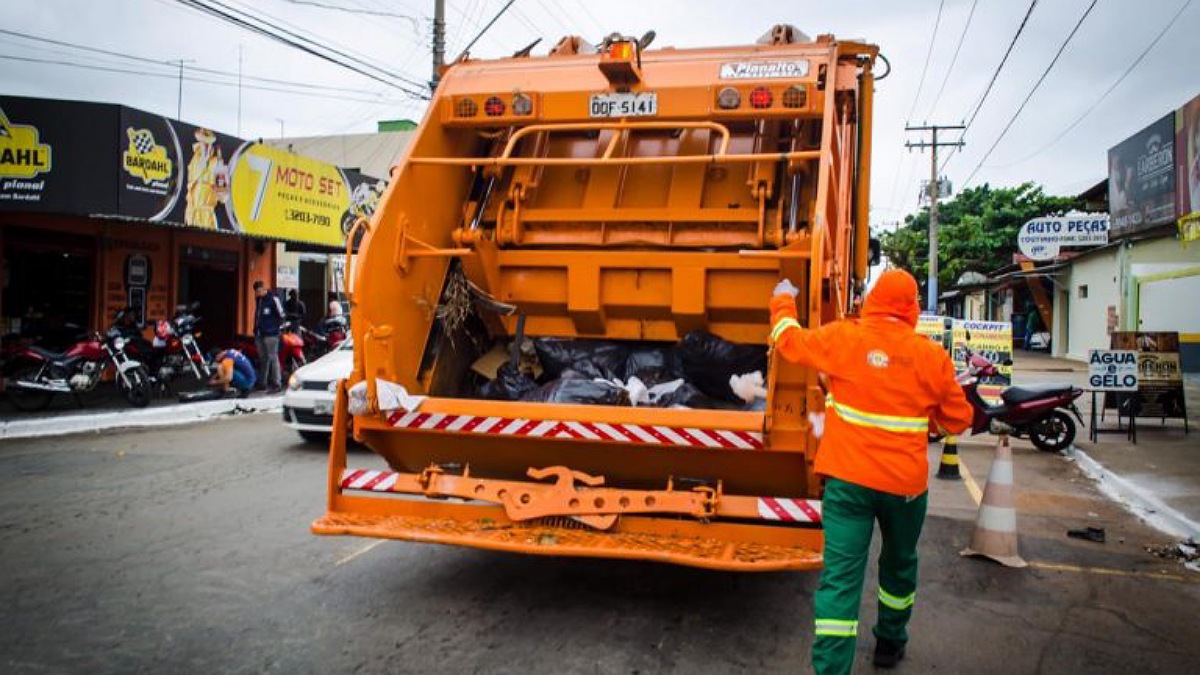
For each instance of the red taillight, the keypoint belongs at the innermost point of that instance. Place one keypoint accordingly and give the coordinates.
(795, 97)
(493, 107)
(761, 98)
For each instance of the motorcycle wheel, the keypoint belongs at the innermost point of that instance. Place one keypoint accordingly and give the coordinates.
(1053, 433)
(138, 391)
(27, 400)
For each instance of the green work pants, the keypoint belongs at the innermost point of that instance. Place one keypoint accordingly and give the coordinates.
(849, 513)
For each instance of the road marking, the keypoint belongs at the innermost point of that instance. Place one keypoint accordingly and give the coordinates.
(1059, 567)
(969, 481)
(359, 552)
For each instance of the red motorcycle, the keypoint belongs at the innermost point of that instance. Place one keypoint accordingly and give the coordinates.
(38, 374)
(176, 351)
(1036, 411)
(291, 348)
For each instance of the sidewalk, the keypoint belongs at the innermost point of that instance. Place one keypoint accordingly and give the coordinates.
(1159, 477)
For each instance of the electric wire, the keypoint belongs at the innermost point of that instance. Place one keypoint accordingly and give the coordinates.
(1132, 66)
(1036, 85)
(953, 59)
(289, 38)
(928, 54)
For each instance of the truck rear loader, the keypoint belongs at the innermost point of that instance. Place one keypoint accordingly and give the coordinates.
(615, 193)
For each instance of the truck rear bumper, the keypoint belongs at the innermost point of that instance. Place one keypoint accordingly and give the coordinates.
(717, 546)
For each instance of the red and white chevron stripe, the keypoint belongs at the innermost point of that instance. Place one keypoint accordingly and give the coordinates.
(591, 431)
(368, 480)
(791, 510)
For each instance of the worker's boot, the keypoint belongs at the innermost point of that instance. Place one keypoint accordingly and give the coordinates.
(887, 653)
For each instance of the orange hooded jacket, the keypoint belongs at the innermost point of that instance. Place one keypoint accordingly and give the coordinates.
(887, 387)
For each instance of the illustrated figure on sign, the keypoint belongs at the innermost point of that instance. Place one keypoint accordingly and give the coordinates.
(207, 181)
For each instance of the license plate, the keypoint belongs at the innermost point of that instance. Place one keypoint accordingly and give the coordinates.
(322, 407)
(642, 104)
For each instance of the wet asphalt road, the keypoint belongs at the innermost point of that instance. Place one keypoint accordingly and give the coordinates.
(187, 550)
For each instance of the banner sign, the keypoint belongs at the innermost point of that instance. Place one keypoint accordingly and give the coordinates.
(990, 339)
(54, 156)
(281, 195)
(1187, 169)
(1112, 370)
(102, 159)
(1043, 238)
(1160, 377)
(1141, 178)
(940, 329)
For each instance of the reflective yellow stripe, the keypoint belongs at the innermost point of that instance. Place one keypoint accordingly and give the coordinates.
(862, 418)
(897, 603)
(837, 627)
(783, 324)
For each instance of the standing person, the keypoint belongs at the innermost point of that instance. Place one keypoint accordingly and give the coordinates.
(887, 387)
(335, 306)
(268, 319)
(295, 307)
(1032, 323)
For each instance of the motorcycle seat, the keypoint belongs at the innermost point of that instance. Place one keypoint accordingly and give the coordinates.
(1021, 394)
(47, 354)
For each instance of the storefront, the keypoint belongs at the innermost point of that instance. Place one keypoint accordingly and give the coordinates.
(104, 207)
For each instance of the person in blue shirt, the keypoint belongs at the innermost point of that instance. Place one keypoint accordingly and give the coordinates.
(234, 372)
(268, 321)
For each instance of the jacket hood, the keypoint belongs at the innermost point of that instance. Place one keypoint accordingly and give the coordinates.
(893, 296)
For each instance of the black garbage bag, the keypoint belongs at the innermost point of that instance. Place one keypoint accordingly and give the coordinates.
(558, 354)
(583, 370)
(709, 361)
(510, 385)
(652, 365)
(578, 390)
(690, 396)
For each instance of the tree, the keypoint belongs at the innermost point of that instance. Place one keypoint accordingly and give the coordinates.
(977, 231)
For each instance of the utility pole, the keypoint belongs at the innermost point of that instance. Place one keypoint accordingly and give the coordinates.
(932, 285)
(439, 42)
(179, 100)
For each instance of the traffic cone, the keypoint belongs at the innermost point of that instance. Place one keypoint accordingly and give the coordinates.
(948, 468)
(996, 526)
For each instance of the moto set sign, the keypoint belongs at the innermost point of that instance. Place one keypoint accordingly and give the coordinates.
(1112, 370)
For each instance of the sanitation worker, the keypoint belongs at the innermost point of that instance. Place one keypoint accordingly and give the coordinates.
(888, 386)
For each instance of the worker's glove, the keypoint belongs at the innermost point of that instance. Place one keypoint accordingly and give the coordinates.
(786, 286)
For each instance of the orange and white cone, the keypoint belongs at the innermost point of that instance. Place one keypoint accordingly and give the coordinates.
(996, 526)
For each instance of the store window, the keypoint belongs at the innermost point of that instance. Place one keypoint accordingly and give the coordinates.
(1083, 291)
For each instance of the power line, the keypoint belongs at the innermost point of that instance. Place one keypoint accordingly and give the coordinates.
(156, 62)
(924, 70)
(953, 59)
(307, 45)
(1020, 108)
(1007, 53)
(188, 78)
(1136, 62)
(357, 10)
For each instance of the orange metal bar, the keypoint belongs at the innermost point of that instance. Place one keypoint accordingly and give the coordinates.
(622, 126)
(617, 161)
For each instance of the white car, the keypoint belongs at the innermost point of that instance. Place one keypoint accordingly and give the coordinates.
(308, 401)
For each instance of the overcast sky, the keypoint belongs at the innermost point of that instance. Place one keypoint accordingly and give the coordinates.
(322, 98)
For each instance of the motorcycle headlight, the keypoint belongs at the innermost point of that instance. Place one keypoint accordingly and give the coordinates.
(119, 343)
(294, 383)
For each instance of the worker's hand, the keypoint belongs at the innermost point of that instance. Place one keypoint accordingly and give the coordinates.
(786, 286)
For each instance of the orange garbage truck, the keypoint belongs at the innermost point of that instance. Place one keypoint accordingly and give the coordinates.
(603, 198)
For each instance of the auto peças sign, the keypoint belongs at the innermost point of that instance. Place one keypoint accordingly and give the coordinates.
(1044, 238)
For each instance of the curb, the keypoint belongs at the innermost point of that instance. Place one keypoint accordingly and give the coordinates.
(184, 413)
(1139, 501)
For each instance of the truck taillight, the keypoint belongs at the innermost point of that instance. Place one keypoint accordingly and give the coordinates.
(729, 98)
(761, 98)
(795, 97)
(522, 104)
(465, 107)
(493, 107)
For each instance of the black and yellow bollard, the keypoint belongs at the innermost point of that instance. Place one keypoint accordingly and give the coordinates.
(948, 469)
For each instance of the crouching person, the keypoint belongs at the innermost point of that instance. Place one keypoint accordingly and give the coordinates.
(234, 373)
